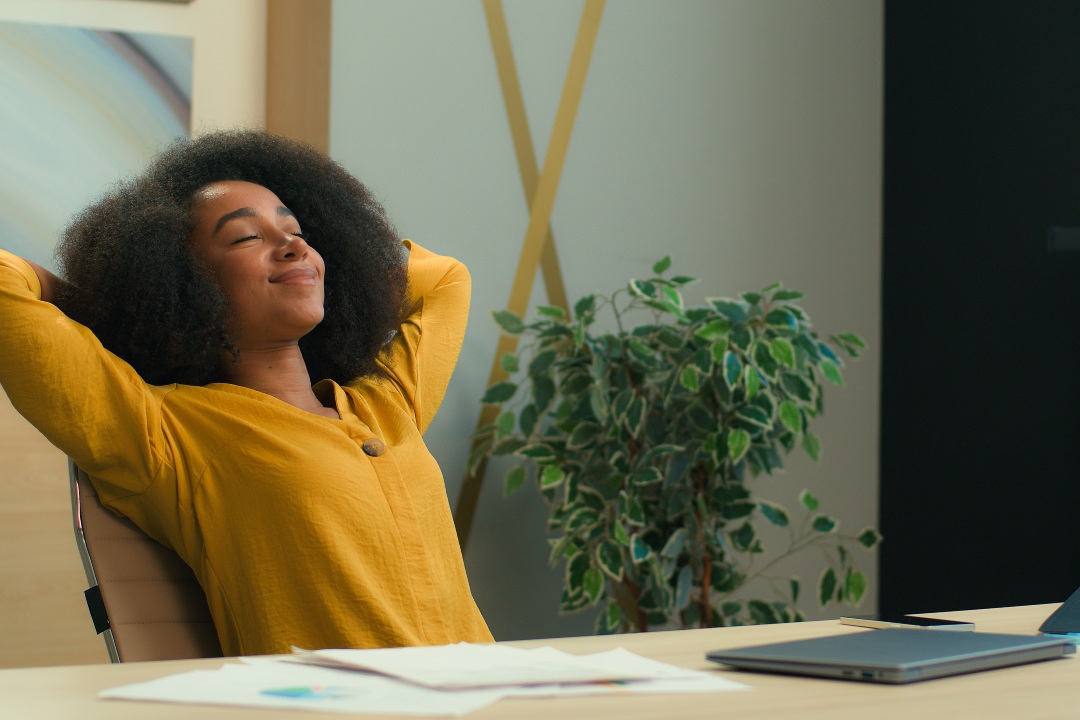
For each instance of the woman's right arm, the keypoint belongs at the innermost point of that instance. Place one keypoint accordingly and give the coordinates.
(86, 401)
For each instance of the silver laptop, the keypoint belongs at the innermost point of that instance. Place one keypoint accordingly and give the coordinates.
(895, 656)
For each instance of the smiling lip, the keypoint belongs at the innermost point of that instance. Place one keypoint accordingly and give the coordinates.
(298, 276)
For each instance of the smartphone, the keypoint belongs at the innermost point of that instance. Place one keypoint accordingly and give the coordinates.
(905, 621)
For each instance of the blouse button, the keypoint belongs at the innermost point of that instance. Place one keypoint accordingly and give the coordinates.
(374, 447)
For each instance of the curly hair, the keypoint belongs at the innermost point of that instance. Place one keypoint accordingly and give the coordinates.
(138, 287)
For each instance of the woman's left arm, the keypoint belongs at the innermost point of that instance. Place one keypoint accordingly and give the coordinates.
(421, 357)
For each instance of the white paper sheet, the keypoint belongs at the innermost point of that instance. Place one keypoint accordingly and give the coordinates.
(670, 679)
(287, 683)
(466, 665)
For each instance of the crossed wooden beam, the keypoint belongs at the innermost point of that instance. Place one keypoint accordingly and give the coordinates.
(540, 186)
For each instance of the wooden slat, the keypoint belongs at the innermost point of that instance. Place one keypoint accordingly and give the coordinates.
(298, 70)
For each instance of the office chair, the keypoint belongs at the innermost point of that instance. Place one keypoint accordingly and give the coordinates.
(143, 598)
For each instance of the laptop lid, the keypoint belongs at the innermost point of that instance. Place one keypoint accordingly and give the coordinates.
(1066, 619)
(893, 655)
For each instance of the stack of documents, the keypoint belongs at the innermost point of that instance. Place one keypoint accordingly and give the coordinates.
(447, 680)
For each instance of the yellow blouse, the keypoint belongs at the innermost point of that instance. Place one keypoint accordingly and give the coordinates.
(298, 534)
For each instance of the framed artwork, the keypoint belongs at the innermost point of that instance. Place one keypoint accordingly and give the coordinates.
(80, 109)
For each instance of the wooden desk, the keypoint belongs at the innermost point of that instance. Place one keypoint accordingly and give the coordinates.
(1041, 690)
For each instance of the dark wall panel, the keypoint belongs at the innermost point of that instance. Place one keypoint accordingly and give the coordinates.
(980, 497)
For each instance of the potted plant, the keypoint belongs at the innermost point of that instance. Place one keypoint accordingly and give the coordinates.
(644, 439)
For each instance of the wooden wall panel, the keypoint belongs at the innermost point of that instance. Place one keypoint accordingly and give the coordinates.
(298, 70)
(43, 618)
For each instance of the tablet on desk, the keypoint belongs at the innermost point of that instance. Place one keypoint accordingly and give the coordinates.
(1066, 619)
(895, 656)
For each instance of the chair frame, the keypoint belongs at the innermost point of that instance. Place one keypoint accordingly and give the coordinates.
(151, 607)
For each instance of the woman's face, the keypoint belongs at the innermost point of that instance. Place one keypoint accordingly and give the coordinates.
(255, 248)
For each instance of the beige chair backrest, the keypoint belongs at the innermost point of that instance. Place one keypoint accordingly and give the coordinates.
(143, 598)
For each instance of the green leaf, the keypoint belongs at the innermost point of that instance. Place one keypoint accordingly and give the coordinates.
(791, 416)
(869, 538)
(744, 537)
(583, 436)
(509, 363)
(763, 613)
(639, 549)
(584, 306)
(499, 393)
(619, 533)
(783, 351)
(635, 513)
(731, 309)
(508, 322)
(787, 295)
(795, 587)
(579, 333)
(635, 416)
(782, 319)
(675, 543)
(855, 586)
(646, 476)
(738, 442)
(505, 423)
(575, 573)
(812, 445)
(824, 524)
(537, 451)
(673, 296)
(683, 585)
(551, 311)
(713, 330)
(831, 372)
(540, 364)
(661, 266)
(798, 386)
(527, 419)
(593, 584)
(754, 416)
(641, 350)
(551, 476)
(688, 378)
(515, 478)
(543, 392)
(612, 618)
(774, 513)
(732, 368)
(609, 558)
(642, 289)
(826, 586)
(808, 501)
(852, 339)
(575, 383)
(753, 382)
(508, 446)
(752, 298)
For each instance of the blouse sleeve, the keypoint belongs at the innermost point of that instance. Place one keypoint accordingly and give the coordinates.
(421, 356)
(85, 400)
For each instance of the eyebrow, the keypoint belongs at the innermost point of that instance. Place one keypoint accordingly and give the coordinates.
(248, 212)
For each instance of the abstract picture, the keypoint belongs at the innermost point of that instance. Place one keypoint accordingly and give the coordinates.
(79, 110)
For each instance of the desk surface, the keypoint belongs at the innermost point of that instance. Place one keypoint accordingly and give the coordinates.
(1040, 690)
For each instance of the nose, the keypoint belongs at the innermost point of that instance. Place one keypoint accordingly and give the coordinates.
(292, 247)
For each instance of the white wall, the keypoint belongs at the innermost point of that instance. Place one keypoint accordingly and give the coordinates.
(742, 137)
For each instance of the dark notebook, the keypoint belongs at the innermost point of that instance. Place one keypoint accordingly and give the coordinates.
(895, 656)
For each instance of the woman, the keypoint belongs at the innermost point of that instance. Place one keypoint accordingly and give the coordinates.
(200, 301)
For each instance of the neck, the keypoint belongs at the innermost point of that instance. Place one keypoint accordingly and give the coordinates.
(279, 371)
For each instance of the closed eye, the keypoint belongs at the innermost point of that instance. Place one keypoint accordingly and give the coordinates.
(244, 239)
